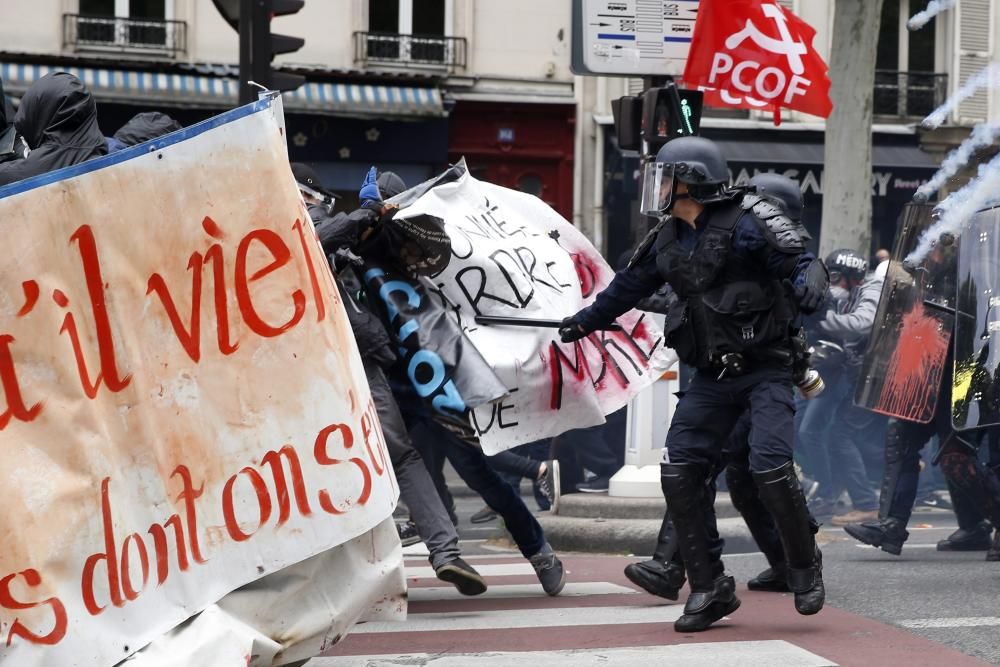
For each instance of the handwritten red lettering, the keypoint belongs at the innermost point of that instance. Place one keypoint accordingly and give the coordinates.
(274, 459)
(16, 409)
(229, 509)
(281, 255)
(110, 558)
(313, 278)
(17, 629)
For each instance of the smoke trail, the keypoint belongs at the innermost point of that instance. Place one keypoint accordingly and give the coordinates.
(989, 76)
(934, 7)
(982, 135)
(957, 210)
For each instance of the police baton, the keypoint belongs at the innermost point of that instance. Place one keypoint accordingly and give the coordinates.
(496, 320)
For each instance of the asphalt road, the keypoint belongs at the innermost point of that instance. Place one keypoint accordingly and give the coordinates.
(949, 598)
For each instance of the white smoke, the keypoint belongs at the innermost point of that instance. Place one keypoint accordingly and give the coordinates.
(934, 7)
(989, 77)
(957, 209)
(982, 135)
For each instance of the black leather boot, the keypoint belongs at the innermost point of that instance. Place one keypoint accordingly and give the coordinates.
(994, 551)
(663, 575)
(746, 500)
(886, 534)
(977, 539)
(782, 495)
(713, 594)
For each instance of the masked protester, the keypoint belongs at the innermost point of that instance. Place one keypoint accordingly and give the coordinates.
(140, 128)
(742, 275)
(453, 436)
(415, 485)
(664, 574)
(58, 120)
(838, 431)
(12, 146)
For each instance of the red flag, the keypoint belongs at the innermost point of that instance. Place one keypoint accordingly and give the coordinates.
(755, 54)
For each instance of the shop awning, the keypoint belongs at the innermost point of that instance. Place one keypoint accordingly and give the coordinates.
(193, 90)
(781, 152)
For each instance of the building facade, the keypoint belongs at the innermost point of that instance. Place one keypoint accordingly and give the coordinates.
(412, 85)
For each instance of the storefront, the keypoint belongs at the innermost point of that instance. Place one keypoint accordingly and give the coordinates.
(899, 167)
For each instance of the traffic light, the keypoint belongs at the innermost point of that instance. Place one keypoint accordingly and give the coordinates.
(258, 46)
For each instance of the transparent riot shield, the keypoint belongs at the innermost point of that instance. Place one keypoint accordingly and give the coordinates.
(907, 354)
(975, 396)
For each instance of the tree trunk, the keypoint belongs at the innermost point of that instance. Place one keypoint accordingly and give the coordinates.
(847, 154)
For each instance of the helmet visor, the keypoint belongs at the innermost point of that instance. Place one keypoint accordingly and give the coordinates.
(657, 188)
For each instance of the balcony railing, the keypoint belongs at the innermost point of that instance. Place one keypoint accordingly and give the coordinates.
(109, 33)
(908, 95)
(434, 52)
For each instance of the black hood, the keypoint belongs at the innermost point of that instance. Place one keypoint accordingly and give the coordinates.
(58, 119)
(390, 184)
(145, 126)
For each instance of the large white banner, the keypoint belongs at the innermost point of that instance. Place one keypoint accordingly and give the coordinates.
(513, 255)
(185, 409)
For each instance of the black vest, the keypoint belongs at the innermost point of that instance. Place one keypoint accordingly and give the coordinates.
(726, 303)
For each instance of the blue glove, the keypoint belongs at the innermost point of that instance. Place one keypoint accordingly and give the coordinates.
(369, 194)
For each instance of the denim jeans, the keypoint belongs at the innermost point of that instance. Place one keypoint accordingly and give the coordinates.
(459, 444)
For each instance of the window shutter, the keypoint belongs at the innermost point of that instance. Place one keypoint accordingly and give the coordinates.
(788, 4)
(974, 39)
(634, 86)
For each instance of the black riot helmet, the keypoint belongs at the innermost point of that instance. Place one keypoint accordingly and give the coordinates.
(781, 191)
(390, 184)
(846, 263)
(696, 161)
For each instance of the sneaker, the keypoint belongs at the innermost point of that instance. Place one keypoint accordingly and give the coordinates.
(462, 576)
(809, 485)
(408, 535)
(854, 516)
(596, 485)
(967, 540)
(548, 484)
(484, 515)
(549, 570)
(821, 508)
(934, 501)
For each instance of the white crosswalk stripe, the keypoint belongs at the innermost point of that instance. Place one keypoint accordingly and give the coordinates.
(527, 618)
(501, 591)
(492, 570)
(969, 622)
(716, 654)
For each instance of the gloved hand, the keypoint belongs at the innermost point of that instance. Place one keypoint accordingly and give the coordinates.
(571, 330)
(811, 292)
(369, 193)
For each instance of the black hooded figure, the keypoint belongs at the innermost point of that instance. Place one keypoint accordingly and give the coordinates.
(143, 127)
(58, 119)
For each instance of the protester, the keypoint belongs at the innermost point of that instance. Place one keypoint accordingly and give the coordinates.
(430, 430)
(415, 486)
(834, 429)
(57, 118)
(529, 461)
(140, 128)
(727, 259)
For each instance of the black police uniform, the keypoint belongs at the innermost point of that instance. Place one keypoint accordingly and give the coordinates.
(732, 322)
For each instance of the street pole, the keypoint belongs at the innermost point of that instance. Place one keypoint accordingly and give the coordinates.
(847, 153)
(247, 93)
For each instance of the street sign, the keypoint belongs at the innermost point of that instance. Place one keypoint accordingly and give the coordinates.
(632, 37)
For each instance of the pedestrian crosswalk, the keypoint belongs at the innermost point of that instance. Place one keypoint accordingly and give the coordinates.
(599, 619)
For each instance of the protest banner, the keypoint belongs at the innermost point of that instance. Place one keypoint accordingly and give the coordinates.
(513, 255)
(185, 408)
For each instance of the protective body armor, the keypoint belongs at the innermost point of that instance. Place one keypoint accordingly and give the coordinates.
(725, 306)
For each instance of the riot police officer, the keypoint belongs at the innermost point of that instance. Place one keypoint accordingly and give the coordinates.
(741, 273)
(663, 574)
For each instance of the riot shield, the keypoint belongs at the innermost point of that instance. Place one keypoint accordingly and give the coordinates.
(907, 353)
(975, 396)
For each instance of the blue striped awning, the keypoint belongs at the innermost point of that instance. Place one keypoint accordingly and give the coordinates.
(346, 99)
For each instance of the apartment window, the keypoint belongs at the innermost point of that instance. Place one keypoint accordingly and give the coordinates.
(906, 82)
(146, 25)
(410, 30)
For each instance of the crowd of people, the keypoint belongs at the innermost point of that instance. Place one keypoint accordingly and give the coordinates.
(750, 311)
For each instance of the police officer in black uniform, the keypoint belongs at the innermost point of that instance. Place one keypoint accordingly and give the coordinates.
(742, 275)
(663, 574)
